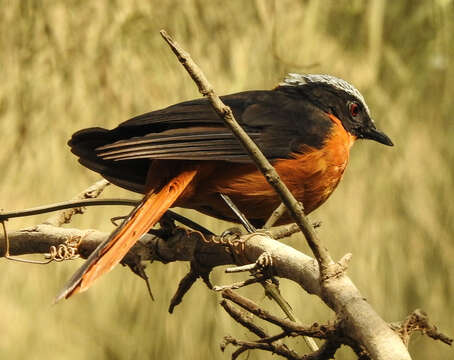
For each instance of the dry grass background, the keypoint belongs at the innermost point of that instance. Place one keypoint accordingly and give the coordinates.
(65, 65)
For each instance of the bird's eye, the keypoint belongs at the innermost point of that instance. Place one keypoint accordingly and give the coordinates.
(354, 109)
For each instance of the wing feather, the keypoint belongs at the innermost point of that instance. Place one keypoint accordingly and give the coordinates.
(174, 144)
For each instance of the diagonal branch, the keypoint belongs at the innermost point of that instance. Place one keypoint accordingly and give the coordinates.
(242, 319)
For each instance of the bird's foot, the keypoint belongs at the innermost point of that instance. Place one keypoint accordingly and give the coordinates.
(231, 233)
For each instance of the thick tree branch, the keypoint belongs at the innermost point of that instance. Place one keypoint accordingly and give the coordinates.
(184, 245)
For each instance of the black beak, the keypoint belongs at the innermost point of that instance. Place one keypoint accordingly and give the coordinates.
(373, 134)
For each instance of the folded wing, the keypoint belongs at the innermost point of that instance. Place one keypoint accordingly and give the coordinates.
(193, 131)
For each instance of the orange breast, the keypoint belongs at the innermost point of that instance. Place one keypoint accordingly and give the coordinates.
(311, 176)
(319, 170)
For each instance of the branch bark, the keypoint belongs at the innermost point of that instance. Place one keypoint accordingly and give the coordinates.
(184, 245)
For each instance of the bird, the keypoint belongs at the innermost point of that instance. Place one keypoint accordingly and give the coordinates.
(185, 156)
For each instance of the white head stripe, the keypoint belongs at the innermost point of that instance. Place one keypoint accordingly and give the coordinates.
(301, 79)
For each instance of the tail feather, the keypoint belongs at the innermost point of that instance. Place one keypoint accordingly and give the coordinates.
(114, 248)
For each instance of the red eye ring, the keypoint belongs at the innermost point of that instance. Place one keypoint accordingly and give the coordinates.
(354, 109)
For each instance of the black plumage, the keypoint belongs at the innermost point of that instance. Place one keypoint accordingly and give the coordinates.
(282, 122)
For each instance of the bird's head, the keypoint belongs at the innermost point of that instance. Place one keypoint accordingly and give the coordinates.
(341, 99)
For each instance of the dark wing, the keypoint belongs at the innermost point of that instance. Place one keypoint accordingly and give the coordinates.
(204, 143)
(279, 121)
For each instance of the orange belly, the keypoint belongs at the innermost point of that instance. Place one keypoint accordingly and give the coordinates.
(311, 177)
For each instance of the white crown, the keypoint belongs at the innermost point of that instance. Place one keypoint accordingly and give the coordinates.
(302, 79)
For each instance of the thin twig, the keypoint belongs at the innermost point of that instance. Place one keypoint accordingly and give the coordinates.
(188, 222)
(64, 216)
(288, 326)
(238, 352)
(97, 202)
(326, 351)
(65, 205)
(243, 219)
(275, 216)
(243, 268)
(419, 321)
(138, 268)
(280, 349)
(283, 231)
(263, 263)
(239, 284)
(277, 337)
(272, 290)
(242, 319)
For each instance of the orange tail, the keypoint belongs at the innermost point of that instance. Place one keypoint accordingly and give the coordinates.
(110, 252)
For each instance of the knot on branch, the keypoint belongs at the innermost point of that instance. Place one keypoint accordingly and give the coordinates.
(336, 270)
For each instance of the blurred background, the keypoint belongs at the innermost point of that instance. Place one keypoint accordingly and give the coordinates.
(66, 65)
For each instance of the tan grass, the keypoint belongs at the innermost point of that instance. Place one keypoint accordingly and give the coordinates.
(69, 65)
